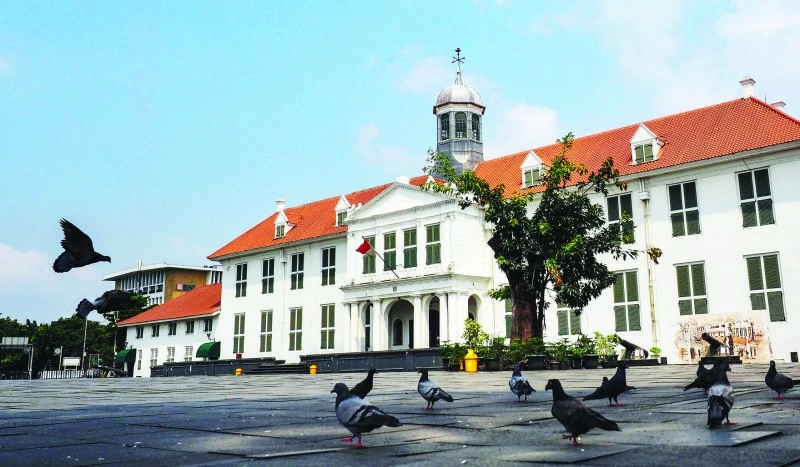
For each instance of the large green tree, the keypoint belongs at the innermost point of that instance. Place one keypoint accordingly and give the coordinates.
(555, 248)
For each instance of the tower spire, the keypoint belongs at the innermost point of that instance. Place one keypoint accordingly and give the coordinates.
(458, 59)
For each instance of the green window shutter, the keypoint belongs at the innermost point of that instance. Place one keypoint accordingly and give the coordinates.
(292, 319)
(410, 257)
(613, 208)
(324, 317)
(563, 325)
(690, 195)
(678, 228)
(693, 222)
(634, 323)
(428, 254)
(632, 285)
(684, 289)
(698, 280)
(754, 273)
(685, 307)
(758, 301)
(765, 215)
(775, 301)
(620, 323)
(508, 324)
(648, 152)
(574, 323)
(300, 318)
(700, 306)
(509, 305)
(749, 214)
(619, 288)
(331, 338)
(771, 272)
(323, 340)
(639, 154)
(263, 322)
(675, 199)
(762, 182)
(746, 186)
(269, 321)
(528, 178)
(299, 341)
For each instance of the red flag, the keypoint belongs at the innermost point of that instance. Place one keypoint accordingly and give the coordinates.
(366, 248)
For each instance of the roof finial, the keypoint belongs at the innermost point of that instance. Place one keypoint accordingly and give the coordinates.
(458, 59)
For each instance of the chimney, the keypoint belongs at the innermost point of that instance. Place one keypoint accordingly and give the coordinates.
(748, 87)
(279, 204)
(779, 105)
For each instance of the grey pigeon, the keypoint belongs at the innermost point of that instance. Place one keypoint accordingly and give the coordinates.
(519, 384)
(111, 300)
(705, 378)
(778, 382)
(612, 388)
(358, 415)
(78, 249)
(720, 398)
(430, 391)
(576, 417)
(364, 387)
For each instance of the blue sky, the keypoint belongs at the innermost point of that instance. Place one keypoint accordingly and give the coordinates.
(166, 129)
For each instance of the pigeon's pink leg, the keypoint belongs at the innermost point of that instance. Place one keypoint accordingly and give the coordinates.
(359, 445)
(349, 439)
(728, 422)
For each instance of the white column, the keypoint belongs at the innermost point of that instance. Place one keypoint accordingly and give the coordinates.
(443, 321)
(420, 324)
(378, 327)
(457, 312)
(347, 334)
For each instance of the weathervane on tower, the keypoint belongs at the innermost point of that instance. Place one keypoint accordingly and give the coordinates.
(458, 59)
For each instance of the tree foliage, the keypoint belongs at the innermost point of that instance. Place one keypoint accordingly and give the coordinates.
(555, 248)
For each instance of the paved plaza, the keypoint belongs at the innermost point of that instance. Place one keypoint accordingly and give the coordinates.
(289, 419)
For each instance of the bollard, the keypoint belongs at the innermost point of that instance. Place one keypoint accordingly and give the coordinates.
(238, 372)
(470, 362)
(313, 369)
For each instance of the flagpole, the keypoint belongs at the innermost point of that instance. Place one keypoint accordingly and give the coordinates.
(381, 257)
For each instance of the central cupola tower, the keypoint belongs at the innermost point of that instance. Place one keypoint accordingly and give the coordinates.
(459, 118)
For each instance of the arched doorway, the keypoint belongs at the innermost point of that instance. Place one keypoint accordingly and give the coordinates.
(401, 325)
(472, 308)
(433, 323)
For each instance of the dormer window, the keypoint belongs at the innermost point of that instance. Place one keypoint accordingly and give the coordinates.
(280, 231)
(340, 216)
(643, 153)
(644, 145)
(444, 131)
(531, 177)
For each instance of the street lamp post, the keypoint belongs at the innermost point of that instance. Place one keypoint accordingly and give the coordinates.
(85, 328)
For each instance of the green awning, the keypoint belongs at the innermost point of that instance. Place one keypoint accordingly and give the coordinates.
(209, 350)
(125, 356)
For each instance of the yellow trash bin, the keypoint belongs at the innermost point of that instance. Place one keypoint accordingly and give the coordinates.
(470, 362)
(313, 369)
(238, 372)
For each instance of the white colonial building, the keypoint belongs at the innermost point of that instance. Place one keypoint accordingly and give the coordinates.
(714, 188)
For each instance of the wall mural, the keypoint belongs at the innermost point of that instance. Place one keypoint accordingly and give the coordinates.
(742, 333)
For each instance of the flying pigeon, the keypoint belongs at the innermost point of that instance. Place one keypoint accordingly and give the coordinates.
(78, 249)
(612, 388)
(430, 391)
(519, 384)
(576, 417)
(364, 387)
(778, 382)
(111, 300)
(720, 398)
(358, 415)
(705, 378)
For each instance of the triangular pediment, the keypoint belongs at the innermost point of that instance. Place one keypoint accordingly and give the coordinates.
(342, 204)
(531, 161)
(643, 134)
(281, 218)
(398, 197)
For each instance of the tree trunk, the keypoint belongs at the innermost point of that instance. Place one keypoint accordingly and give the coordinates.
(522, 322)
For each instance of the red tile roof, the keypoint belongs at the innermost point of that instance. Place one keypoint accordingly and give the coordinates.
(202, 301)
(722, 129)
(312, 220)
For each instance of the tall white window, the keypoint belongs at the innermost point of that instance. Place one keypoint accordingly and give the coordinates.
(461, 125)
(155, 330)
(444, 127)
(188, 353)
(238, 333)
(389, 251)
(190, 327)
(531, 177)
(266, 331)
(208, 324)
(683, 210)
(170, 354)
(756, 198)
(626, 301)
(298, 267)
(153, 357)
(476, 127)
(766, 292)
(569, 322)
(241, 280)
(692, 297)
(172, 329)
(295, 328)
(328, 324)
(139, 332)
(328, 266)
(433, 245)
(139, 359)
(620, 211)
(268, 276)
(368, 329)
(368, 261)
(410, 248)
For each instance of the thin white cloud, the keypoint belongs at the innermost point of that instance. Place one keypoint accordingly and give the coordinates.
(387, 157)
(19, 268)
(519, 127)
(764, 17)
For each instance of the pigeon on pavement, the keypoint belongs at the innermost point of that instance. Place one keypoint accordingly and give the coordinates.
(519, 384)
(576, 417)
(111, 300)
(612, 388)
(358, 415)
(364, 387)
(778, 382)
(78, 249)
(720, 398)
(706, 378)
(430, 391)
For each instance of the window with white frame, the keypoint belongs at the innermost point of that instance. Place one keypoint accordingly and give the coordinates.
(296, 276)
(461, 125)
(509, 316)
(340, 217)
(683, 211)
(170, 354)
(280, 230)
(620, 211)
(389, 251)
(368, 261)
(172, 329)
(188, 353)
(531, 177)
(569, 321)
(692, 296)
(155, 330)
(296, 328)
(238, 333)
(755, 196)
(766, 292)
(444, 127)
(410, 248)
(626, 301)
(328, 266)
(643, 153)
(153, 357)
(328, 325)
(139, 332)
(268, 276)
(190, 327)
(433, 245)
(139, 359)
(266, 331)
(208, 324)
(476, 127)
(241, 280)
(368, 329)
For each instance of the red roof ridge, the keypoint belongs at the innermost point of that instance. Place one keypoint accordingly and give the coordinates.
(203, 300)
(780, 112)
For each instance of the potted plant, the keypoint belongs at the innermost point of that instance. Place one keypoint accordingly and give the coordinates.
(575, 357)
(606, 346)
(452, 355)
(514, 354)
(590, 358)
(535, 354)
(559, 353)
(493, 353)
(655, 352)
